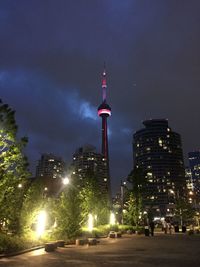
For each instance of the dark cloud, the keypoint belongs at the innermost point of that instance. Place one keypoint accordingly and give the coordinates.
(52, 53)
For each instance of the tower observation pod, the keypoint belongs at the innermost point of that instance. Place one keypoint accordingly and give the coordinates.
(104, 111)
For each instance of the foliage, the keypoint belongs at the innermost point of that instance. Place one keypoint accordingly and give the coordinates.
(134, 203)
(68, 214)
(99, 231)
(184, 211)
(137, 180)
(125, 227)
(93, 201)
(133, 210)
(13, 170)
(34, 202)
(10, 244)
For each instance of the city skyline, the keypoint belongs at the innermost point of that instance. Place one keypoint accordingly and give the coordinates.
(51, 63)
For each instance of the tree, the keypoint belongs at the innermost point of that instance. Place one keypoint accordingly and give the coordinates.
(184, 211)
(13, 169)
(134, 204)
(133, 210)
(68, 213)
(94, 201)
(34, 201)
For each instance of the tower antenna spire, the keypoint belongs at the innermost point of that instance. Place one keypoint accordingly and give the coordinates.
(104, 83)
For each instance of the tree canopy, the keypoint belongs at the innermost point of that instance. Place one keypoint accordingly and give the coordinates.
(13, 169)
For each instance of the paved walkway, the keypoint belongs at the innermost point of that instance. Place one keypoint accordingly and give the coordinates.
(176, 250)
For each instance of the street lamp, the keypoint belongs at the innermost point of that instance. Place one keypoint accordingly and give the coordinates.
(65, 181)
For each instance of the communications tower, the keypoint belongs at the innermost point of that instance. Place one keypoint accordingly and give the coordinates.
(104, 111)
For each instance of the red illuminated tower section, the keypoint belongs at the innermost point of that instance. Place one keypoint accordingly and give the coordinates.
(104, 111)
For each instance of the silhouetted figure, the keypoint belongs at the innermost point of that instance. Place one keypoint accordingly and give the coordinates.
(152, 226)
(164, 223)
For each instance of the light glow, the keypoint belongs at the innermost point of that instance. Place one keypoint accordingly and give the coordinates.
(66, 181)
(112, 218)
(41, 223)
(104, 111)
(90, 222)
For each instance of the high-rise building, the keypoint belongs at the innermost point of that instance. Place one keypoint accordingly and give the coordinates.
(194, 163)
(51, 166)
(157, 150)
(189, 180)
(50, 170)
(190, 187)
(104, 111)
(86, 161)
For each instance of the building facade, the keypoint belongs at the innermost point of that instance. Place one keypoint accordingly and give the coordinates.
(50, 170)
(194, 164)
(157, 150)
(87, 162)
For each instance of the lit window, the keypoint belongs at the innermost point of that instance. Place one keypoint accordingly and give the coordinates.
(160, 142)
(105, 180)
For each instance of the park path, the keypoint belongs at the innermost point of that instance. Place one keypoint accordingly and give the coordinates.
(176, 250)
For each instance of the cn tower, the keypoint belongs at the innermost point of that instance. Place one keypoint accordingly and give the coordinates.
(104, 111)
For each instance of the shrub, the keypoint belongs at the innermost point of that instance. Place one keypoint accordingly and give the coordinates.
(10, 244)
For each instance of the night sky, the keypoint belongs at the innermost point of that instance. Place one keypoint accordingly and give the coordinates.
(51, 59)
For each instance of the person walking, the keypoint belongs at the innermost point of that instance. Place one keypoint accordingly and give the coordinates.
(169, 226)
(165, 227)
(152, 226)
